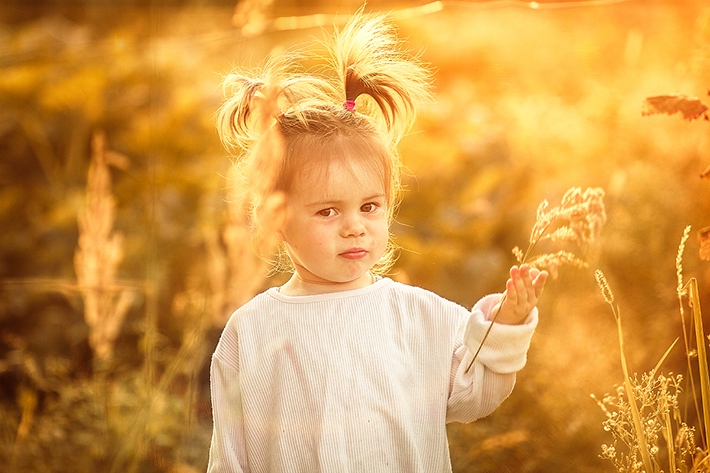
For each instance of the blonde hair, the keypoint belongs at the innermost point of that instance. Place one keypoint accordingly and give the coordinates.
(281, 119)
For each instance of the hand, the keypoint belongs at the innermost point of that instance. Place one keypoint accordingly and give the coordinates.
(522, 291)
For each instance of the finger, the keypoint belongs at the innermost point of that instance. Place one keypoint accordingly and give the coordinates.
(519, 280)
(526, 275)
(530, 288)
(514, 272)
(510, 283)
(539, 283)
(524, 270)
(534, 272)
(511, 294)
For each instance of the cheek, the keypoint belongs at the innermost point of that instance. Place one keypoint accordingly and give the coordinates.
(306, 237)
(320, 237)
(381, 230)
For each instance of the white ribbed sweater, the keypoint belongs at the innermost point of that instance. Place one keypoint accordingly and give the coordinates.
(355, 381)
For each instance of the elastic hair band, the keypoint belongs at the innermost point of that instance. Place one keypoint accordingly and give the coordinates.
(349, 105)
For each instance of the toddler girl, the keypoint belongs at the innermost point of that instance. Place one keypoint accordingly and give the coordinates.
(341, 369)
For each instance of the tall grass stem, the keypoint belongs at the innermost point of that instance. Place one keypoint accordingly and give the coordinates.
(702, 357)
(635, 413)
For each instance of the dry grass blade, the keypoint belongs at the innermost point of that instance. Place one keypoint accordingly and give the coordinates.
(663, 358)
(702, 464)
(702, 356)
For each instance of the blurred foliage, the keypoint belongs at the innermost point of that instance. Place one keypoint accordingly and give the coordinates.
(530, 102)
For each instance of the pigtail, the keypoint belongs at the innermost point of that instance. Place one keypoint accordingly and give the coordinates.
(369, 61)
(250, 106)
(256, 100)
(235, 112)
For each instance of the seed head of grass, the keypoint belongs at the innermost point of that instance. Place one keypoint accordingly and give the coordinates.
(604, 286)
(577, 220)
(679, 260)
(552, 261)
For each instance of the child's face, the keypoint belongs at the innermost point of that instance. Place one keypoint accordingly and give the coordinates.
(336, 227)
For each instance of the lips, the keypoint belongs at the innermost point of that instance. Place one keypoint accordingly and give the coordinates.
(354, 254)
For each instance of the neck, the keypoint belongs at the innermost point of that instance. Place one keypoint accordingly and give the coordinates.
(300, 285)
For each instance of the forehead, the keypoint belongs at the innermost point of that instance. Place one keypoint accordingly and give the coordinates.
(338, 177)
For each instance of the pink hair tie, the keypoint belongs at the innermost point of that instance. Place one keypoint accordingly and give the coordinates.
(349, 105)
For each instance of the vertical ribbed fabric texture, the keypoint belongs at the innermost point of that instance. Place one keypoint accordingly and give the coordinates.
(355, 381)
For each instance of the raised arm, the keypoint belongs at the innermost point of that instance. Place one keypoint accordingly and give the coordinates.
(478, 390)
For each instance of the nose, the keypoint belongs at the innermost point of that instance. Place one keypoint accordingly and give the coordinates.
(352, 226)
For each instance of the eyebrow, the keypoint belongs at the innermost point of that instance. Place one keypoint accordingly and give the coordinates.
(321, 203)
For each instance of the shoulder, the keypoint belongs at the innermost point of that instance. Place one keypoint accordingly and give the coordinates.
(432, 317)
(257, 304)
(416, 292)
(421, 297)
(229, 339)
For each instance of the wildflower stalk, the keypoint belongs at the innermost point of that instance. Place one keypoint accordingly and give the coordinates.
(578, 219)
(665, 410)
(628, 388)
(668, 435)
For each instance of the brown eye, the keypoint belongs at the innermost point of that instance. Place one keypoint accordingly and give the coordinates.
(326, 212)
(369, 207)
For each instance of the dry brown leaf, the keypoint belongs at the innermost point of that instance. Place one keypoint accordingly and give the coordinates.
(690, 107)
(704, 243)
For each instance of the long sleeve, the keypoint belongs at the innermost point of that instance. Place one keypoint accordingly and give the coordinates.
(491, 379)
(228, 447)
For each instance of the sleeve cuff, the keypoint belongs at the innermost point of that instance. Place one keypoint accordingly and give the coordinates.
(505, 349)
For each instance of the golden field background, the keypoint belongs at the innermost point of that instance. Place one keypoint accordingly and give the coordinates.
(529, 102)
